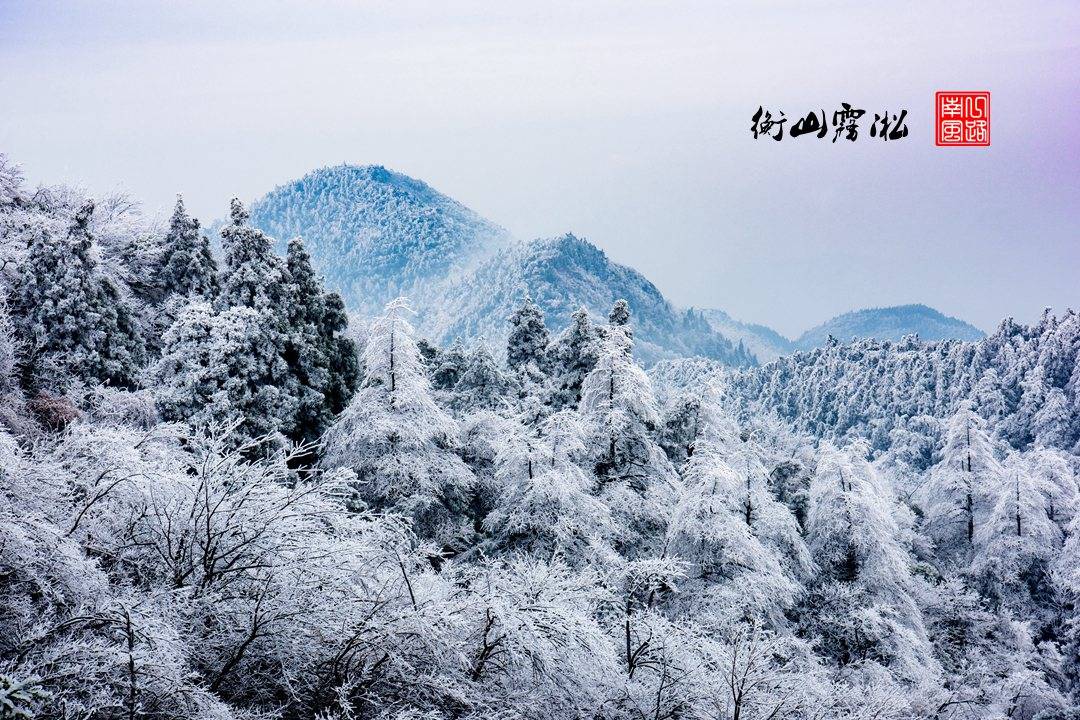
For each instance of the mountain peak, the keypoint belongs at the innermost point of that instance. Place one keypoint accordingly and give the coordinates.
(376, 233)
(562, 274)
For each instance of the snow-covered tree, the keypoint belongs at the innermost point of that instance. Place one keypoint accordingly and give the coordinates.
(252, 276)
(860, 603)
(219, 368)
(572, 357)
(681, 427)
(958, 495)
(545, 505)
(737, 537)
(620, 314)
(1015, 543)
(72, 320)
(534, 646)
(528, 340)
(187, 263)
(395, 437)
(323, 362)
(452, 365)
(10, 391)
(482, 385)
(988, 397)
(619, 409)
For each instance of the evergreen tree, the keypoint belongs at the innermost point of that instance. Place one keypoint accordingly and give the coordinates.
(620, 314)
(544, 505)
(681, 427)
(620, 415)
(743, 544)
(960, 485)
(323, 363)
(1015, 543)
(397, 439)
(344, 364)
(253, 275)
(573, 356)
(187, 264)
(529, 338)
(72, 319)
(222, 368)
(861, 601)
(431, 354)
(987, 396)
(482, 386)
(451, 367)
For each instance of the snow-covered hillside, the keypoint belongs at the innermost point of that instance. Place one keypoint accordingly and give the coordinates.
(375, 233)
(215, 504)
(563, 274)
(765, 343)
(890, 323)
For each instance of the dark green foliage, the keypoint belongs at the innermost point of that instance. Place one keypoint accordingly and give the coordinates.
(572, 356)
(620, 313)
(72, 320)
(452, 364)
(252, 276)
(529, 337)
(187, 264)
(323, 363)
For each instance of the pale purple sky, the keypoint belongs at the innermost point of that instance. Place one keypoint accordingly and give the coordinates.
(626, 123)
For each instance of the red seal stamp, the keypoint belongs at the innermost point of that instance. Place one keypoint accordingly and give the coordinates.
(962, 118)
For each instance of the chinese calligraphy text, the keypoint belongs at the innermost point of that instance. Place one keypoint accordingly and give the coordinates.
(844, 124)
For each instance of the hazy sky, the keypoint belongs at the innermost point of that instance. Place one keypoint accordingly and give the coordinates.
(626, 123)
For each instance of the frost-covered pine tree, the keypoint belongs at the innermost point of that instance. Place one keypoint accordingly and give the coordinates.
(252, 275)
(1051, 426)
(323, 362)
(72, 319)
(1053, 468)
(544, 504)
(221, 368)
(682, 425)
(482, 385)
(620, 414)
(860, 603)
(958, 492)
(187, 263)
(987, 396)
(341, 352)
(452, 364)
(620, 314)
(631, 472)
(572, 357)
(1018, 538)
(743, 544)
(396, 438)
(528, 340)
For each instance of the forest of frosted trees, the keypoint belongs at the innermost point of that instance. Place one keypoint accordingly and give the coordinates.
(221, 498)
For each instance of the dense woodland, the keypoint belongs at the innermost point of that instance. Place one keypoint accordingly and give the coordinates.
(221, 499)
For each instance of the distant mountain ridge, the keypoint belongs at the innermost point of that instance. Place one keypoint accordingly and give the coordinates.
(765, 343)
(375, 234)
(890, 323)
(885, 323)
(565, 273)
